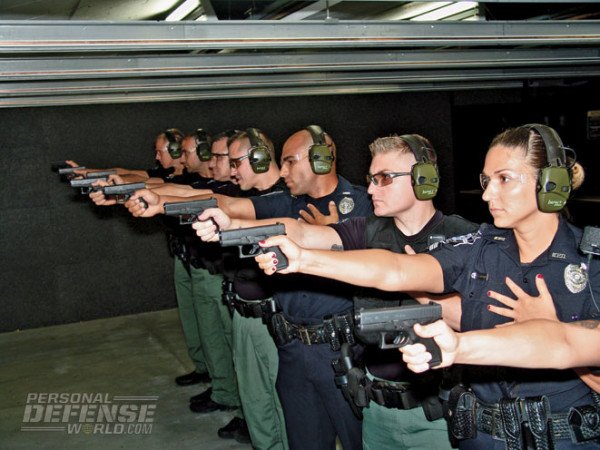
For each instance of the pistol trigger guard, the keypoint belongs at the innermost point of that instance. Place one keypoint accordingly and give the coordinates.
(252, 250)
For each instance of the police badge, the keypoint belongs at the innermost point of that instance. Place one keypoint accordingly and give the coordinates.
(576, 277)
(346, 205)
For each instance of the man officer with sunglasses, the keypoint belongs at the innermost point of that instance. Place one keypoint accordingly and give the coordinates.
(404, 410)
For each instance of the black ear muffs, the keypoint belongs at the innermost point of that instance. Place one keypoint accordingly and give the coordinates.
(554, 180)
(424, 174)
(173, 143)
(260, 156)
(203, 145)
(319, 154)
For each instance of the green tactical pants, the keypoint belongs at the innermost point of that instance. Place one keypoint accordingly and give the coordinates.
(397, 429)
(188, 316)
(214, 330)
(256, 361)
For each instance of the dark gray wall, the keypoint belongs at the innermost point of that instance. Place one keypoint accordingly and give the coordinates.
(63, 260)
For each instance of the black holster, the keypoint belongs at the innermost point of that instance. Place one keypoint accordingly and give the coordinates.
(359, 390)
(228, 294)
(351, 380)
(178, 248)
(461, 412)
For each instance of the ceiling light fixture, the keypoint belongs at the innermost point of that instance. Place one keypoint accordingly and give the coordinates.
(447, 11)
(183, 10)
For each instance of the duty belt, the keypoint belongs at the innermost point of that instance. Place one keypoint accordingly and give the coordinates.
(490, 419)
(521, 423)
(359, 390)
(333, 330)
(393, 395)
(253, 308)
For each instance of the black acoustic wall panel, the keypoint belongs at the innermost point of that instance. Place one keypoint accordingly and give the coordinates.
(64, 260)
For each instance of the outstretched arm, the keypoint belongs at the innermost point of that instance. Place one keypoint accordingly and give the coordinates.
(312, 236)
(181, 190)
(380, 269)
(540, 344)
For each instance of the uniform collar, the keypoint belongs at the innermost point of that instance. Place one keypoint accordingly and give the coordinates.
(561, 248)
(344, 187)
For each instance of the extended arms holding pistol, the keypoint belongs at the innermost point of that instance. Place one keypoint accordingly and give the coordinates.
(122, 192)
(68, 173)
(189, 211)
(85, 184)
(247, 240)
(393, 327)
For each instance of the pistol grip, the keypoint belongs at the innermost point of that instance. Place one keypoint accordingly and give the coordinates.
(282, 261)
(434, 349)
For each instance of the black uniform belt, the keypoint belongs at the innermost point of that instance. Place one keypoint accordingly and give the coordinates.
(252, 308)
(520, 422)
(393, 395)
(308, 334)
(334, 330)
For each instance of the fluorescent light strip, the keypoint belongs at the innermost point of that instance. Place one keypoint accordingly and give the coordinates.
(183, 10)
(446, 11)
(414, 9)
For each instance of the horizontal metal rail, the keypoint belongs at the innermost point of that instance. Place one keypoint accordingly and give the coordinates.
(72, 36)
(34, 101)
(236, 82)
(226, 64)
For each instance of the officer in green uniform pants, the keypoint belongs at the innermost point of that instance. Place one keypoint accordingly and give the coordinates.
(253, 167)
(186, 283)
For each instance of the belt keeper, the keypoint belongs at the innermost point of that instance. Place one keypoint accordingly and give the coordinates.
(377, 395)
(584, 422)
(407, 399)
(511, 423)
(331, 333)
(304, 335)
(345, 325)
(538, 420)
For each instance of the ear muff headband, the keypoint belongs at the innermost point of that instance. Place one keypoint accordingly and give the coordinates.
(173, 145)
(319, 154)
(424, 174)
(203, 145)
(260, 156)
(554, 180)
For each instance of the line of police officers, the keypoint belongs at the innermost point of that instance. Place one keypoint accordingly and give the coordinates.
(271, 360)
